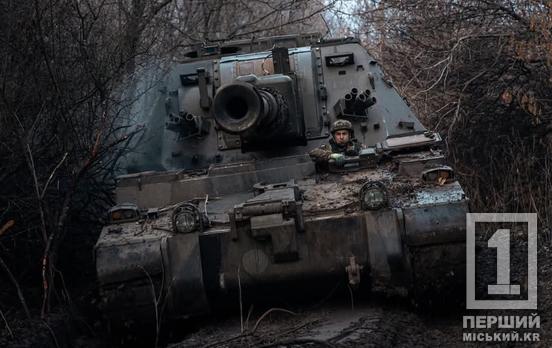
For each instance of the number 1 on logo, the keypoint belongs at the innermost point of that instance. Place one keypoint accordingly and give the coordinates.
(501, 241)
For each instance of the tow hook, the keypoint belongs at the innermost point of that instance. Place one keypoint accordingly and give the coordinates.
(353, 271)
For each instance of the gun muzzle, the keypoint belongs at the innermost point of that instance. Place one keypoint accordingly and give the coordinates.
(240, 108)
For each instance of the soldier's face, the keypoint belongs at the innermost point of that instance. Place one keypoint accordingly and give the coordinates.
(341, 137)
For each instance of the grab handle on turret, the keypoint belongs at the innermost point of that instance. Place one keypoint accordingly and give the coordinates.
(204, 99)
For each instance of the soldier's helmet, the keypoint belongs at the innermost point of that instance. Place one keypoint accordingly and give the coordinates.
(342, 125)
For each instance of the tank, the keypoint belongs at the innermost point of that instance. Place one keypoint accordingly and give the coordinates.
(222, 198)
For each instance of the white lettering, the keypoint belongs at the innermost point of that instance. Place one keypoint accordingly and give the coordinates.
(481, 322)
(505, 322)
(468, 321)
(534, 321)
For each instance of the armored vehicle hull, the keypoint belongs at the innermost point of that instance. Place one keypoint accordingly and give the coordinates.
(236, 204)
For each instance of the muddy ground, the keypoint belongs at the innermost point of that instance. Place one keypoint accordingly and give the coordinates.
(379, 323)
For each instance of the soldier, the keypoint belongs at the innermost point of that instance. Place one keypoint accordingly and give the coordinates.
(342, 143)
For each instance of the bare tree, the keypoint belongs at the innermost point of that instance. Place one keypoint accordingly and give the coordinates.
(64, 69)
(477, 71)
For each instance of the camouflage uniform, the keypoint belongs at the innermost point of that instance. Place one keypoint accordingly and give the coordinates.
(322, 154)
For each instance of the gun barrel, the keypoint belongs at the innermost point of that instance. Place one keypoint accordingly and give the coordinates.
(240, 108)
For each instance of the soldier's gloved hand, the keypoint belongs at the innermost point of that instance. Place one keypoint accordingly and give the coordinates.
(338, 159)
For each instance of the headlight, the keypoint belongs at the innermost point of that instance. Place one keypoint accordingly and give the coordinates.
(438, 175)
(186, 218)
(373, 196)
(185, 222)
(123, 213)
